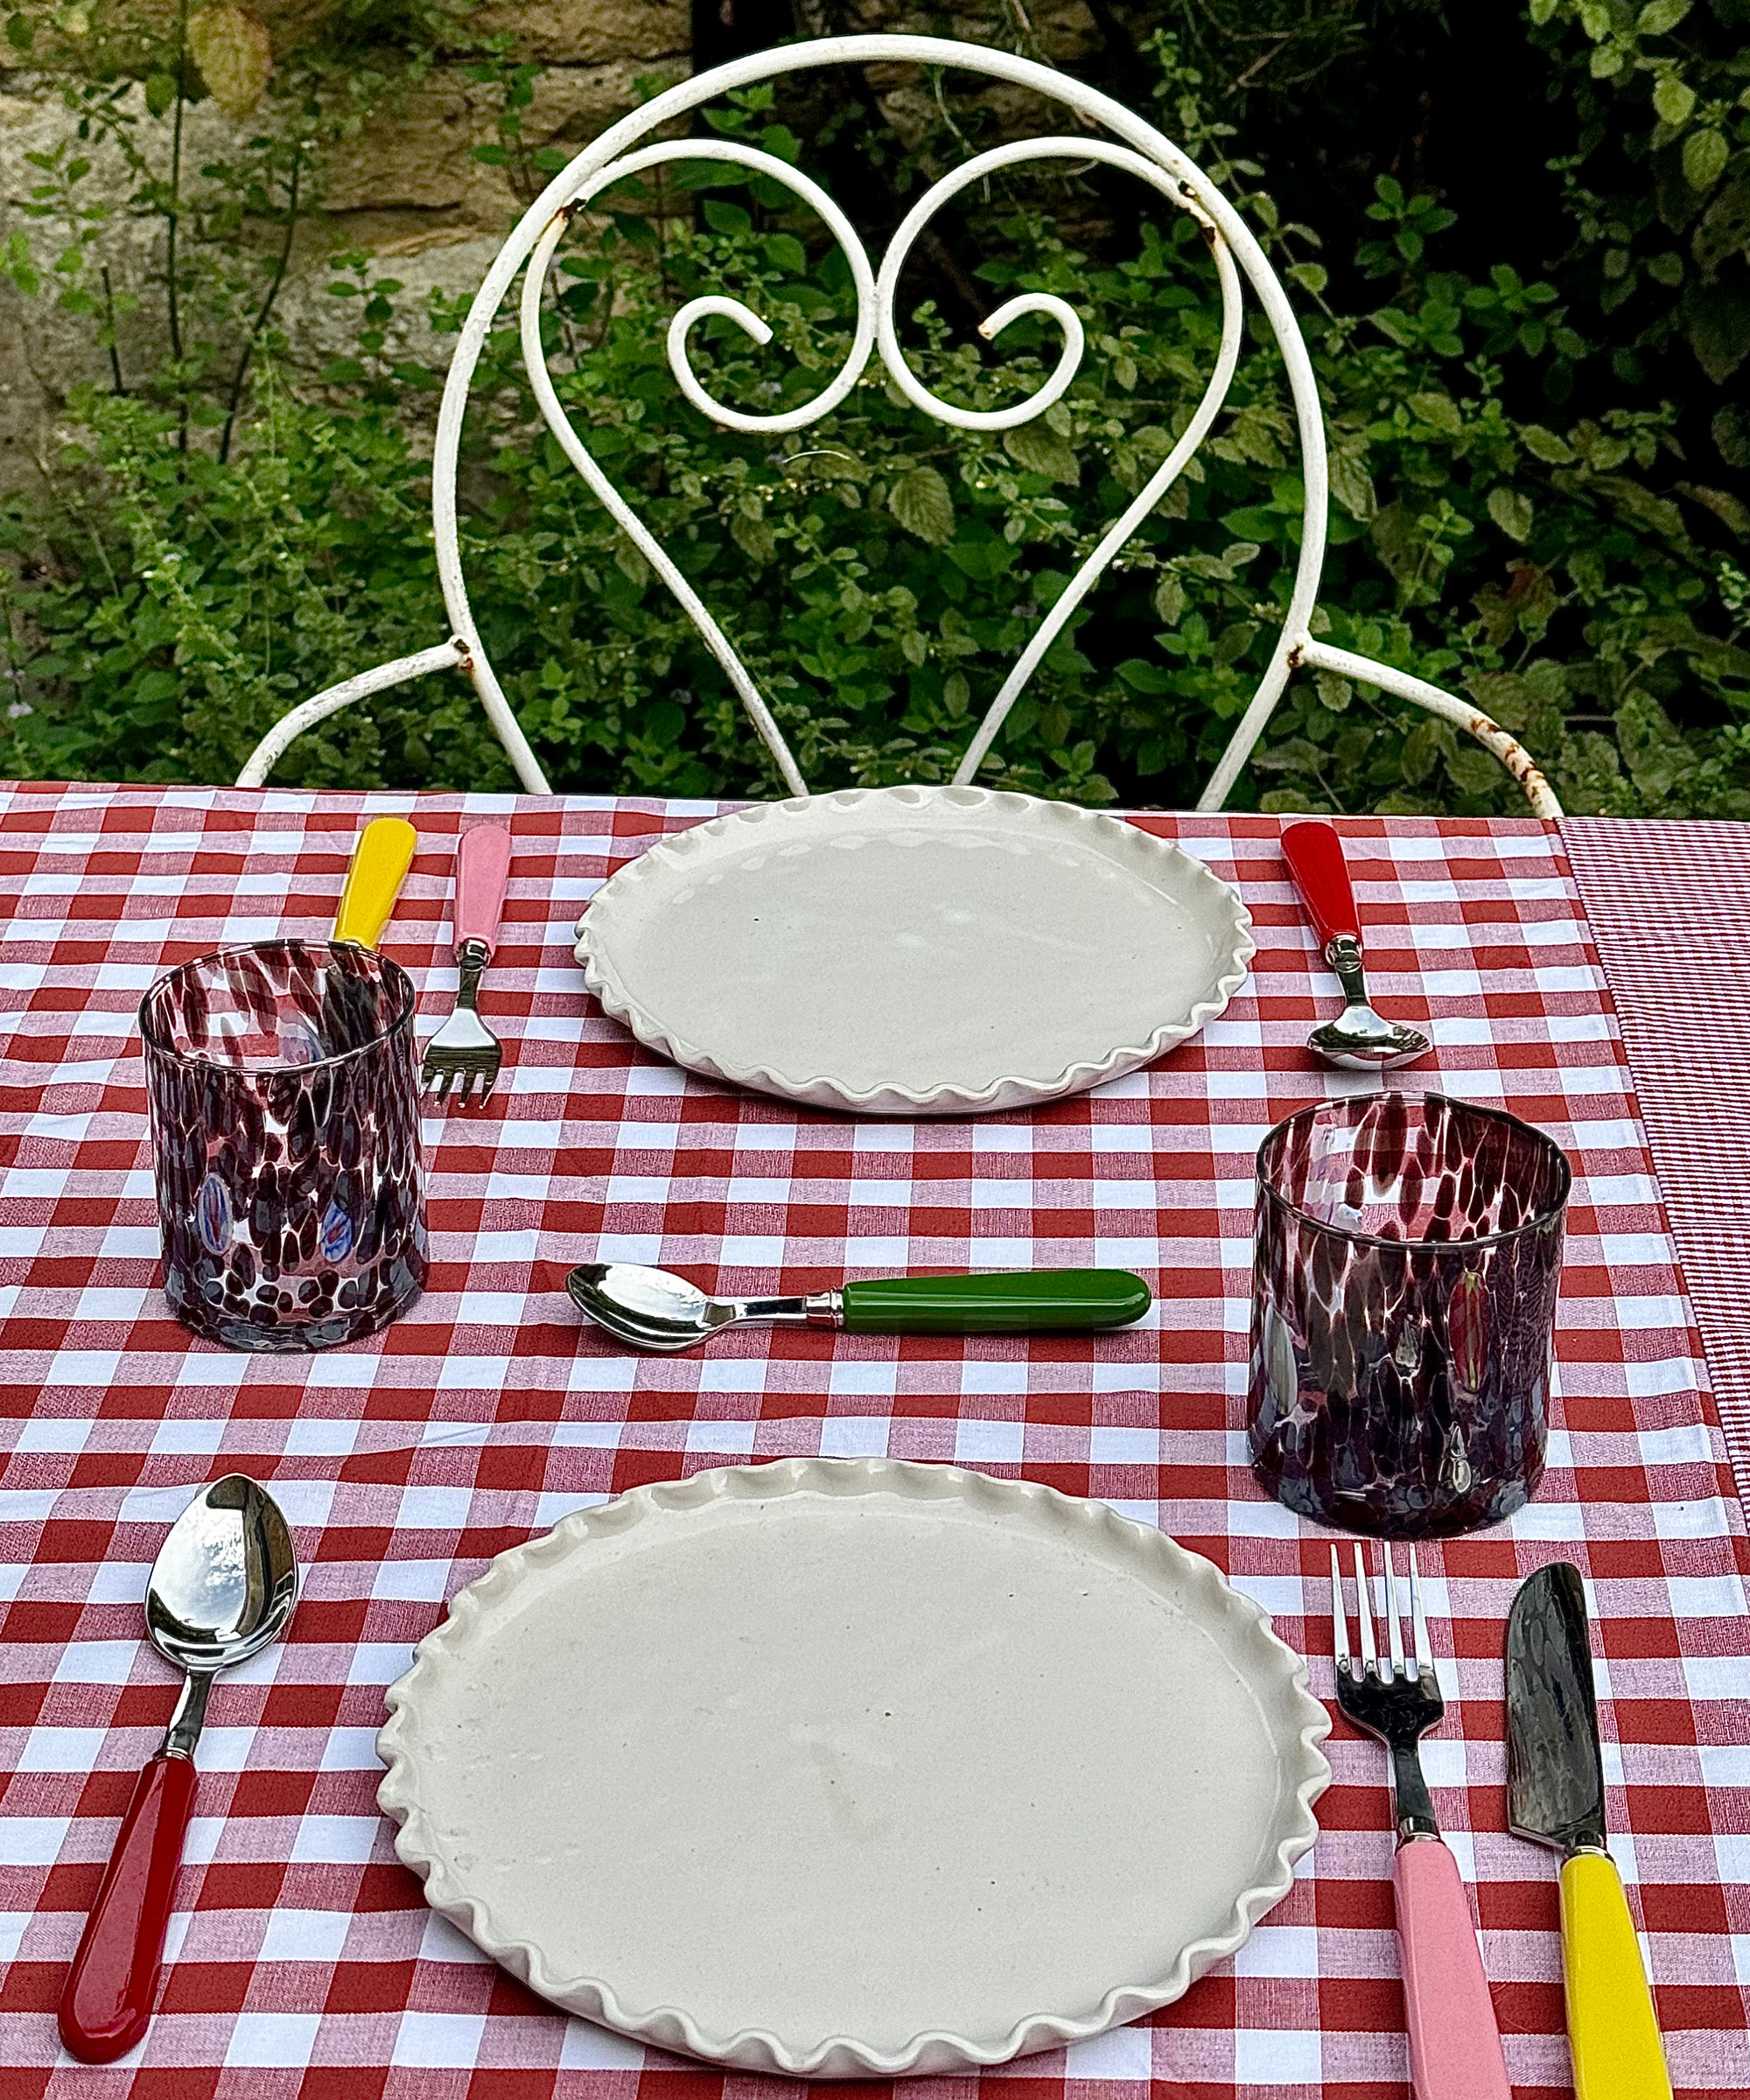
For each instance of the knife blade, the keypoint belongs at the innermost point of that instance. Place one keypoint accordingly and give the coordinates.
(1554, 1771)
(1555, 1797)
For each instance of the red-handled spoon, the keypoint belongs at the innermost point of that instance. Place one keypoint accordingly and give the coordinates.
(222, 1589)
(1358, 1038)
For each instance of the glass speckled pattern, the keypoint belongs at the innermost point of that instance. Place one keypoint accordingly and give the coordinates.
(286, 1140)
(1408, 1257)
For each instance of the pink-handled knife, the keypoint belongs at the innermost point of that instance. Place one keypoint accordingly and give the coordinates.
(465, 1051)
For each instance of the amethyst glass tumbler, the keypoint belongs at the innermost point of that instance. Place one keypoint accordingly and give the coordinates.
(1408, 1256)
(285, 1138)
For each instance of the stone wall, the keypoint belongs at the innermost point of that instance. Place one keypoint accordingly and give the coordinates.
(413, 183)
(408, 187)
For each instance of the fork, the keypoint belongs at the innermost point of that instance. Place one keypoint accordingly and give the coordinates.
(1455, 2042)
(465, 1050)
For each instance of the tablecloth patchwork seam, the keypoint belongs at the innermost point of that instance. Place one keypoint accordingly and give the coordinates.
(1687, 1019)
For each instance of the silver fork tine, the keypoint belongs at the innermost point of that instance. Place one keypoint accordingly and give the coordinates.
(1424, 1650)
(1364, 1619)
(1394, 1630)
(446, 1079)
(1339, 1617)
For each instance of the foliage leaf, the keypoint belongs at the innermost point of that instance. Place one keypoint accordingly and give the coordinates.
(1037, 448)
(1718, 319)
(1673, 98)
(921, 500)
(1544, 444)
(755, 538)
(1706, 154)
(1144, 677)
(1353, 485)
(1441, 411)
(235, 53)
(1511, 511)
(1732, 512)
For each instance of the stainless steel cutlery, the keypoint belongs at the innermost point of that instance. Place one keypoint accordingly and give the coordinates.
(464, 1053)
(654, 1309)
(1555, 1797)
(1454, 2043)
(222, 1588)
(1359, 1039)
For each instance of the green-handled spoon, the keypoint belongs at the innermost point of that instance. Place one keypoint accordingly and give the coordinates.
(651, 1309)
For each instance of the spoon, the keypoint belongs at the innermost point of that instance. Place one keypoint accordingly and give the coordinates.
(221, 1590)
(652, 1309)
(1359, 1039)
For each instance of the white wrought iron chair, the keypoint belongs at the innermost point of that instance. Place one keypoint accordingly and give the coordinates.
(1143, 151)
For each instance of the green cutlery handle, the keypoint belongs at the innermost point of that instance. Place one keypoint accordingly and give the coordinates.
(1027, 1302)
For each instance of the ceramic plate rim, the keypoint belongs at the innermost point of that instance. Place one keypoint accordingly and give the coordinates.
(891, 1097)
(843, 2056)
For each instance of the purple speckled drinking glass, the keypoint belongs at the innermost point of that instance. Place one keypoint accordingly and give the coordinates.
(285, 1136)
(1408, 1256)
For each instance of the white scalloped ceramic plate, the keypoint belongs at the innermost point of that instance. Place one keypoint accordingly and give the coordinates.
(905, 951)
(848, 1767)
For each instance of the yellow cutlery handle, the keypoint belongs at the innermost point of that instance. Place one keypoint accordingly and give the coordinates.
(1613, 2030)
(379, 863)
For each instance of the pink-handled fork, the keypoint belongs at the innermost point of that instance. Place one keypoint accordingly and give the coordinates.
(465, 1050)
(1455, 2042)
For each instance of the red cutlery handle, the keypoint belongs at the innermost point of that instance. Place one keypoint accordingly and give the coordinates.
(108, 1997)
(1454, 2043)
(482, 874)
(1314, 854)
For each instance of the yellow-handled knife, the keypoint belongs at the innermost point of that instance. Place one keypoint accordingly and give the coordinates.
(1555, 1797)
(379, 863)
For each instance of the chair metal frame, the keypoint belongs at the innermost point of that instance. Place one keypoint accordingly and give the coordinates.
(1135, 147)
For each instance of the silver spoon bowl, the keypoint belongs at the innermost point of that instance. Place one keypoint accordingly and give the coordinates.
(223, 1587)
(652, 1309)
(1359, 1039)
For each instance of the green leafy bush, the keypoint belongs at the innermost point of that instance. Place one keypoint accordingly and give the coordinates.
(1659, 186)
(877, 572)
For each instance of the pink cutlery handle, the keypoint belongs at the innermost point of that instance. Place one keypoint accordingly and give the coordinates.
(1454, 2043)
(108, 1997)
(1314, 854)
(482, 871)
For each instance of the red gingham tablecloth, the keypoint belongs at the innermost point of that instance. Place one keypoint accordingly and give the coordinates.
(1668, 905)
(302, 1959)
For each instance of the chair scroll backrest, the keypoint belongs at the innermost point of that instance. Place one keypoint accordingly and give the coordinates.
(1118, 138)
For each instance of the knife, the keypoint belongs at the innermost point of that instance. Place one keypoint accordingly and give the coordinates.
(1555, 1797)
